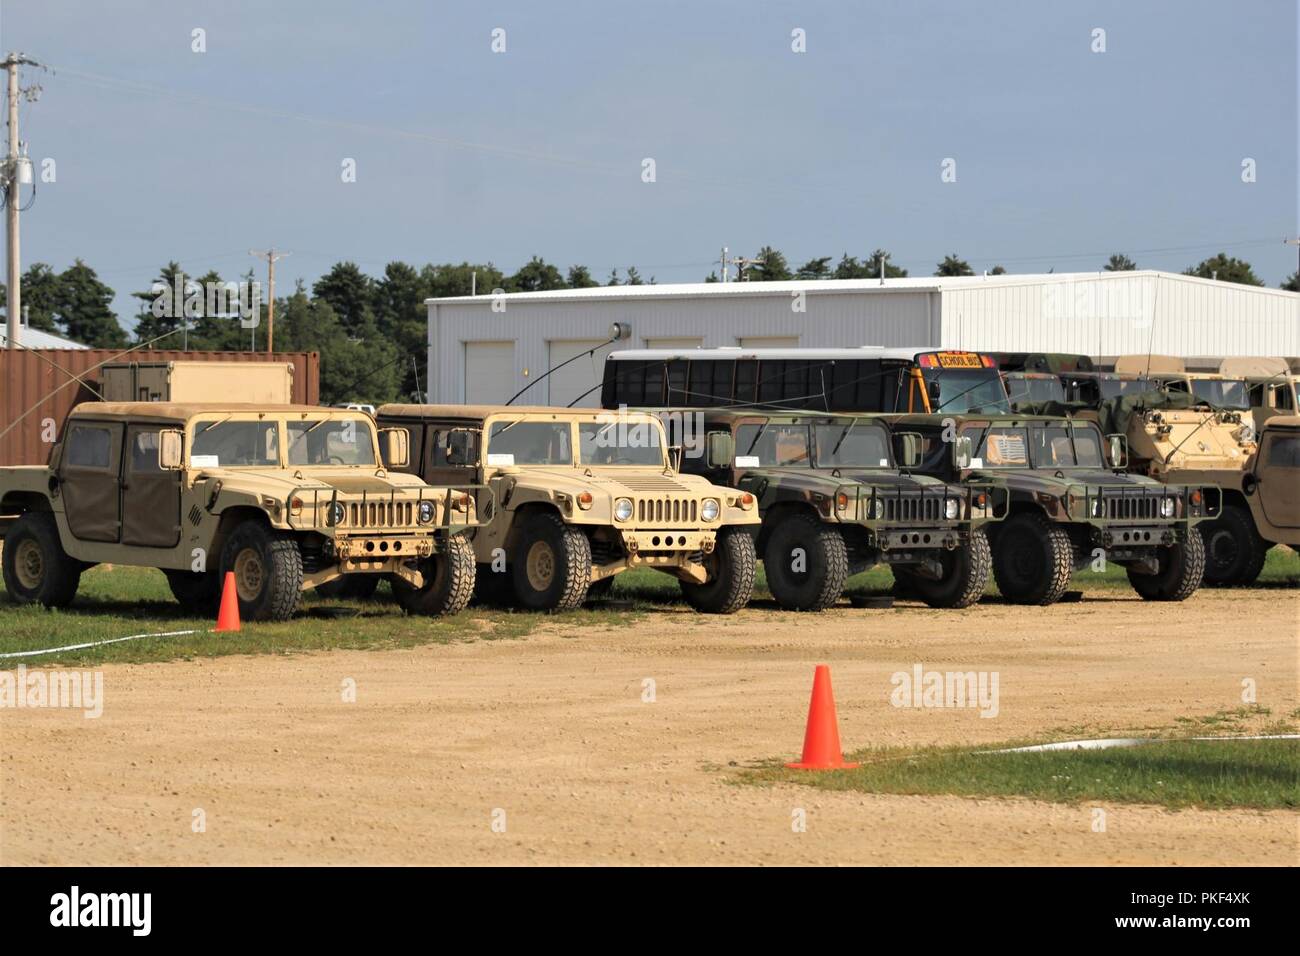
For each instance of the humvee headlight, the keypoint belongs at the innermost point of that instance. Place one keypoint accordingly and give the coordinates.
(426, 511)
(584, 500)
(1167, 507)
(842, 501)
(710, 509)
(1098, 508)
(952, 509)
(878, 508)
(747, 501)
(337, 513)
(622, 509)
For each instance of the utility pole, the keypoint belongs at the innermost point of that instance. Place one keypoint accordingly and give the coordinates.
(17, 171)
(1295, 242)
(270, 255)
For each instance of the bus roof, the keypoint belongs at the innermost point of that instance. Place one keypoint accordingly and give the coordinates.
(812, 354)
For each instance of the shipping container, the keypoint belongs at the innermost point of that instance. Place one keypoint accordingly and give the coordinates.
(38, 387)
(189, 381)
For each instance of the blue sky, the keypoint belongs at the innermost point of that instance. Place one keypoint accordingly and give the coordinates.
(1063, 155)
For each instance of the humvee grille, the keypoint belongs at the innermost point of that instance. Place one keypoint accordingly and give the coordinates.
(913, 509)
(667, 510)
(1132, 508)
(381, 514)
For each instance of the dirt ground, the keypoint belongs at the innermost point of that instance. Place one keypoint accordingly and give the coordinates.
(550, 736)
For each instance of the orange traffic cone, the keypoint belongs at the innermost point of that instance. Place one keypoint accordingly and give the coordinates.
(821, 741)
(228, 616)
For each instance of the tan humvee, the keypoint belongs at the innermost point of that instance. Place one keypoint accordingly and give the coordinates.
(580, 496)
(1209, 442)
(1272, 484)
(287, 497)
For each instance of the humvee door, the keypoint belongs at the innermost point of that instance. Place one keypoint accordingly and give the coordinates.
(1277, 472)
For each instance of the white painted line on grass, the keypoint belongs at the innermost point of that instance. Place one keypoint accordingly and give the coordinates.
(1108, 743)
(112, 640)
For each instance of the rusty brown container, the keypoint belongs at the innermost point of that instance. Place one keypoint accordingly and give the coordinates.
(38, 387)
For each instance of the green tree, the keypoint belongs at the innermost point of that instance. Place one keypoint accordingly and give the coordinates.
(772, 267)
(161, 308)
(580, 278)
(874, 261)
(85, 308)
(449, 280)
(613, 278)
(952, 266)
(634, 277)
(352, 368)
(997, 271)
(348, 291)
(402, 317)
(850, 268)
(40, 290)
(814, 269)
(536, 275)
(1225, 268)
(1119, 263)
(1292, 284)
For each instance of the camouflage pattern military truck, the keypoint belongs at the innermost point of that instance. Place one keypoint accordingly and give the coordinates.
(1272, 483)
(836, 500)
(581, 496)
(287, 497)
(1070, 502)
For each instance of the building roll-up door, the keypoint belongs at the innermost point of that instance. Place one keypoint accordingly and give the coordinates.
(489, 372)
(582, 375)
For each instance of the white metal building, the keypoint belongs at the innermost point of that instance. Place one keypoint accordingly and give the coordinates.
(485, 348)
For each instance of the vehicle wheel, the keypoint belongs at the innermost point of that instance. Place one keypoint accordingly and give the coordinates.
(601, 588)
(1033, 560)
(807, 563)
(731, 575)
(552, 565)
(448, 581)
(350, 587)
(1234, 551)
(36, 568)
(197, 591)
(965, 575)
(1181, 567)
(268, 572)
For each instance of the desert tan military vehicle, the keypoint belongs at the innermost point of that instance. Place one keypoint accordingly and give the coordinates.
(581, 495)
(1272, 483)
(287, 497)
(1272, 385)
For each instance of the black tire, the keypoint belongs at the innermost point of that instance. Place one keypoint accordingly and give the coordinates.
(966, 572)
(1181, 568)
(552, 565)
(731, 569)
(350, 587)
(1234, 551)
(1033, 560)
(826, 562)
(448, 581)
(36, 568)
(197, 591)
(268, 572)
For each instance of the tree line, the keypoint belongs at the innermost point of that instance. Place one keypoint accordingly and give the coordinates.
(371, 331)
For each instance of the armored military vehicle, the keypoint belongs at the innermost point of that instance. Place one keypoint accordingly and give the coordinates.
(580, 496)
(1070, 503)
(1272, 483)
(287, 497)
(837, 499)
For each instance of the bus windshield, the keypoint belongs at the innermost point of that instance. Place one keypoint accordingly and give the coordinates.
(967, 390)
(852, 444)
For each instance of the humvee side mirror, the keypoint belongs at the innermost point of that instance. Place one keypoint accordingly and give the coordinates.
(909, 449)
(1249, 485)
(963, 452)
(1117, 451)
(169, 449)
(719, 450)
(460, 447)
(396, 447)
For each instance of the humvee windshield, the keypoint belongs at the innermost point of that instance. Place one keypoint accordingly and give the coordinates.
(1035, 389)
(1222, 393)
(225, 443)
(1038, 446)
(620, 442)
(1115, 387)
(532, 443)
(331, 441)
(852, 444)
(775, 446)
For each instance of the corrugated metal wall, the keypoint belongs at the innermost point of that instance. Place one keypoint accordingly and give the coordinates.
(1116, 314)
(831, 320)
(38, 388)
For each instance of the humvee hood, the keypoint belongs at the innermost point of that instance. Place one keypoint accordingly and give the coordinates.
(284, 481)
(640, 482)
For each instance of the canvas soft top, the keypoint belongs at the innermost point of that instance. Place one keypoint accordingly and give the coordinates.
(483, 411)
(181, 411)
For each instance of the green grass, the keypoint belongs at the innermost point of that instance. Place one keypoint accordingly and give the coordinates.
(122, 600)
(1257, 774)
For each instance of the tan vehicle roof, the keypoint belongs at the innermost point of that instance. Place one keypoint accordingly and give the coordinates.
(1155, 364)
(1283, 421)
(1242, 366)
(483, 411)
(180, 411)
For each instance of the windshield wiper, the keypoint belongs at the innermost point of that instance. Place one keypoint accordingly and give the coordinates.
(843, 435)
(761, 428)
